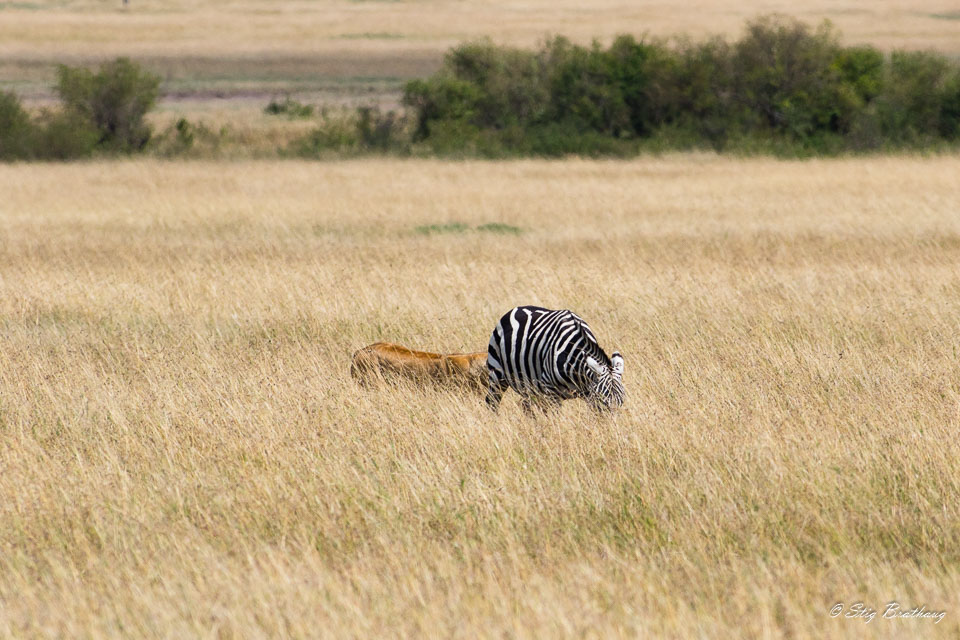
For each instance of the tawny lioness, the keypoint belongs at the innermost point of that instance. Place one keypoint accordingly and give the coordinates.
(385, 360)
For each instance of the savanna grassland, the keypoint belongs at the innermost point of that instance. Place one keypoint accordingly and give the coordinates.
(184, 453)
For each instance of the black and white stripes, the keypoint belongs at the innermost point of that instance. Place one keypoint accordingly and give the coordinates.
(548, 356)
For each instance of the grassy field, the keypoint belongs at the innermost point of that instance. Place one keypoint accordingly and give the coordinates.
(183, 452)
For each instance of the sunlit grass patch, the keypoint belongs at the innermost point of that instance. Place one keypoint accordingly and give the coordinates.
(500, 227)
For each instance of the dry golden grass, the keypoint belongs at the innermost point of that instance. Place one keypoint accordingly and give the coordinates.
(183, 451)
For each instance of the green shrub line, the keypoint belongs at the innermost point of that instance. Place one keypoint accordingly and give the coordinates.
(783, 88)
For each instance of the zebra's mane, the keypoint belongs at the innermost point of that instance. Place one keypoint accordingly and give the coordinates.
(591, 347)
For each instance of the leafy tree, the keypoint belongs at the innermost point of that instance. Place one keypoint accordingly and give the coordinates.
(114, 100)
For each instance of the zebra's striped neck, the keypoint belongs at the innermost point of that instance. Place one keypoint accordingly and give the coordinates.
(577, 369)
(590, 348)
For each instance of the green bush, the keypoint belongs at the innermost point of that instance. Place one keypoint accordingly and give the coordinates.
(861, 69)
(584, 92)
(949, 124)
(100, 111)
(509, 84)
(17, 132)
(114, 100)
(64, 135)
(441, 98)
(914, 106)
(702, 112)
(53, 135)
(784, 75)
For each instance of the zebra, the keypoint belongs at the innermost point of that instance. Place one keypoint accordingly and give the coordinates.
(549, 356)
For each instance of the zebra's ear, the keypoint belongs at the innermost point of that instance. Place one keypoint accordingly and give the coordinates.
(617, 361)
(594, 366)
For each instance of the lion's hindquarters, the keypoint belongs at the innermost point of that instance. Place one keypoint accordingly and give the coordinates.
(384, 360)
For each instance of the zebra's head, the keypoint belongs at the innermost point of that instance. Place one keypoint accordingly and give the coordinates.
(606, 387)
